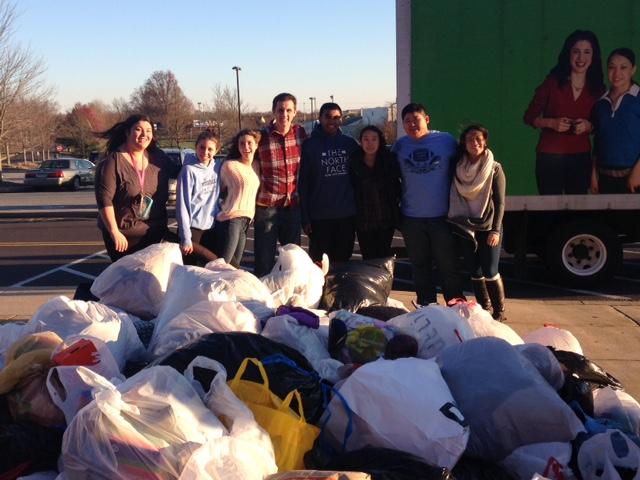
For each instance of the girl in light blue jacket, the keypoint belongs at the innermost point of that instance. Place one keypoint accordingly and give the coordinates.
(197, 200)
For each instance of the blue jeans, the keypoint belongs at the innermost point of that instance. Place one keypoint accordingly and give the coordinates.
(231, 236)
(483, 262)
(273, 224)
(429, 240)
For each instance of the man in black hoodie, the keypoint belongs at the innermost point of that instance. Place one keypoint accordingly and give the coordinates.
(327, 200)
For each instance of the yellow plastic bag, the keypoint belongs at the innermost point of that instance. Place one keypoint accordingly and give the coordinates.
(290, 434)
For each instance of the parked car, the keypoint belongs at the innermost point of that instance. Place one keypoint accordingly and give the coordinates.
(177, 156)
(69, 173)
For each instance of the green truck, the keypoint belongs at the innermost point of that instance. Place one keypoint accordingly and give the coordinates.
(481, 62)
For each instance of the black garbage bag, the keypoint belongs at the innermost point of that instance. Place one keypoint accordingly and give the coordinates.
(26, 447)
(380, 463)
(582, 368)
(381, 312)
(475, 469)
(353, 285)
(287, 368)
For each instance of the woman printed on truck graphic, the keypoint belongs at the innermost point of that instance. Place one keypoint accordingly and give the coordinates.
(561, 108)
(617, 125)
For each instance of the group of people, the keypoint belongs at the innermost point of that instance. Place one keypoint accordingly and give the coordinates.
(571, 105)
(326, 184)
(445, 196)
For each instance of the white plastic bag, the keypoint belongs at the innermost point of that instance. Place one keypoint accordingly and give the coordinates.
(619, 406)
(434, 327)
(147, 427)
(605, 451)
(246, 453)
(71, 387)
(190, 285)
(483, 325)
(401, 404)
(200, 319)
(75, 317)
(308, 341)
(524, 462)
(294, 279)
(285, 329)
(555, 337)
(244, 286)
(138, 282)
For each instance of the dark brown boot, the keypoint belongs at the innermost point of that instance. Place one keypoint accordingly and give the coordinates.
(495, 288)
(480, 292)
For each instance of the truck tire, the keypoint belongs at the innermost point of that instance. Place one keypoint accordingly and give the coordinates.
(583, 253)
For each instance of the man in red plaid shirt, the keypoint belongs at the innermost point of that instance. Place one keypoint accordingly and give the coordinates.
(277, 215)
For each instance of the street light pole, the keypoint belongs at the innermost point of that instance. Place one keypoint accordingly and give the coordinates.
(237, 69)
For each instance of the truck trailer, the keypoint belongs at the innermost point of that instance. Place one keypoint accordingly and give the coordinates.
(470, 62)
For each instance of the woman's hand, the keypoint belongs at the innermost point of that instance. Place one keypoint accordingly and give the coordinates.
(582, 125)
(634, 178)
(560, 124)
(187, 249)
(119, 240)
(493, 239)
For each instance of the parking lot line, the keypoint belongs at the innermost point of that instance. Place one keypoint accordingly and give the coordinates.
(58, 269)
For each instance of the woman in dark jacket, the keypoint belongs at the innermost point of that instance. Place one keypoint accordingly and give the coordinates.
(476, 208)
(376, 178)
(132, 187)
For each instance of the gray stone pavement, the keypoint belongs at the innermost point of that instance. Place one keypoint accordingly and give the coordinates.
(608, 331)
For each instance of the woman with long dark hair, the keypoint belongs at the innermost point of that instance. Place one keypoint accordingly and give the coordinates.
(376, 178)
(132, 187)
(617, 121)
(561, 108)
(476, 208)
(240, 184)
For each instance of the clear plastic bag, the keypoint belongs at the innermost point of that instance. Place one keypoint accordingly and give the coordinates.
(208, 316)
(246, 453)
(147, 427)
(137, 283)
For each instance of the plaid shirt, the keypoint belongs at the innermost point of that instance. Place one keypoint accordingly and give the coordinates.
(279, 160)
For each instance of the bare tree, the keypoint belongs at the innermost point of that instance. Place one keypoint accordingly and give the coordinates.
(20, 72)
(164, 101)
(224, 113)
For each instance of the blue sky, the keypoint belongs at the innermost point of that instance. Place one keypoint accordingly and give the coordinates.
(98, 49)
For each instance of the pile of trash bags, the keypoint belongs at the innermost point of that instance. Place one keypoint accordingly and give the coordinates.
(312, 372)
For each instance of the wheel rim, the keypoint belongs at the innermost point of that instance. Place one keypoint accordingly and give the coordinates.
(584, 255)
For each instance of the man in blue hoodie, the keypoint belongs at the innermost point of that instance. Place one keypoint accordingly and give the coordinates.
(327, 200)
(426, 159)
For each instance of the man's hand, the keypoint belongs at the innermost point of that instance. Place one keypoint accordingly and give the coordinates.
(187, 249)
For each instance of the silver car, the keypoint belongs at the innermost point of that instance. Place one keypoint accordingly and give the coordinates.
(177, 156)
(69, 173)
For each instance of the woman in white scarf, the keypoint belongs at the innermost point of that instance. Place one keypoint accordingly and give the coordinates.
(476, 208)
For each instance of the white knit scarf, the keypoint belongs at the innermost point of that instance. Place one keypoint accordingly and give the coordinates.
(473, 182)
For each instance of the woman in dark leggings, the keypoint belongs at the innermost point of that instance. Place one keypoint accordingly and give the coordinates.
(476, 208)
